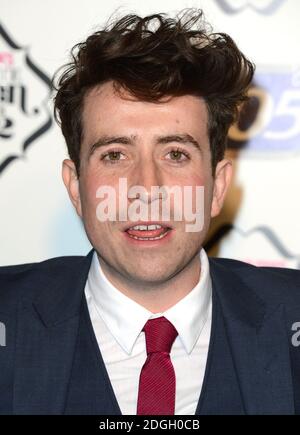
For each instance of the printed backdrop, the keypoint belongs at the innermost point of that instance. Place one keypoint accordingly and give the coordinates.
(260, 222)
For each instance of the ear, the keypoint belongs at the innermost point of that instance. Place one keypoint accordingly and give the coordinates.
(71, 181)
(222, 180)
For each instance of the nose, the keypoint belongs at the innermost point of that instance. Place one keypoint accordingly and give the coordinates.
(147, 175)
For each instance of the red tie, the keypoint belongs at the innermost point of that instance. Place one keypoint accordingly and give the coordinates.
(157, 379)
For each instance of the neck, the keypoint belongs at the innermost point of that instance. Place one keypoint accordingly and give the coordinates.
(157, 297)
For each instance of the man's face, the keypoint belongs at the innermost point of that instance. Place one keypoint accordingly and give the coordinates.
(148, 144)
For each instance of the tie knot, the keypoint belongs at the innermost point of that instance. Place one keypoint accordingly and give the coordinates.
(160, 335)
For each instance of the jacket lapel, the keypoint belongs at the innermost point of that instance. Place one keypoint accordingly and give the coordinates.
(258, 341)
(46, 334)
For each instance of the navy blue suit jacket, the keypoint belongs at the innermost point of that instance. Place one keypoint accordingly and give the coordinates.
(40, 305)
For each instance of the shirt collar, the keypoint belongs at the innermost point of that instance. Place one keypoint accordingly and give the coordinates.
(125, 318)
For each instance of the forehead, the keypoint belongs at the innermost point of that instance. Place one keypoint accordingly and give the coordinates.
(105, 108)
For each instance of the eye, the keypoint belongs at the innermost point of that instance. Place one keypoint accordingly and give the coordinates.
(177, 153)
(112, 156)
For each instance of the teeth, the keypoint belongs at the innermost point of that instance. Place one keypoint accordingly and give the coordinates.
(149, 238)
(146, 227)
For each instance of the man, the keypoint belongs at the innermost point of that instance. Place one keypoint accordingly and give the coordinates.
(146, 324)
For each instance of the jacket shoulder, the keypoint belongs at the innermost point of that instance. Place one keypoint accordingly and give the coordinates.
(16, 280)
(19, 271)
(272, 284)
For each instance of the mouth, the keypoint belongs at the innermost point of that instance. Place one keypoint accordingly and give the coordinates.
(148, 232)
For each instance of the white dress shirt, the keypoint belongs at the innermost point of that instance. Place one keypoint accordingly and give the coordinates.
(118, 322)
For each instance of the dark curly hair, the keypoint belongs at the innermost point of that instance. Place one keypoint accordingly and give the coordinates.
(153, 57)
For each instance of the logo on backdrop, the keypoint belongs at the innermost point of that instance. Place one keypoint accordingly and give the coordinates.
(270, 120)
(265, 7)
(278, 254)
(24, 95)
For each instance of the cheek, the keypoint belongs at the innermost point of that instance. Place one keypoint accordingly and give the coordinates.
(197, 180)
(92, 197)
(192, 194)
(88, 191)
(201, 199)
(193, 182)
(193, 179)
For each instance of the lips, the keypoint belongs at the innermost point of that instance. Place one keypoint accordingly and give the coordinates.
(147, 234)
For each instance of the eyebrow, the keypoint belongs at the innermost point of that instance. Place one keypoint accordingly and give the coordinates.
(107, 140)
(184, 138)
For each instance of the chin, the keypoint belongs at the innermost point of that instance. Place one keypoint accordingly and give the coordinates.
(153, 276)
